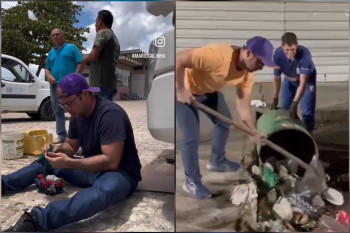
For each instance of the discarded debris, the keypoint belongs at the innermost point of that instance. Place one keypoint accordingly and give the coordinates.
(288, 203)
(333, 196)
(283, 209)
(244, 193)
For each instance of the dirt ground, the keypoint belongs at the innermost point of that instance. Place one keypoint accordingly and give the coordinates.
(142, 212)
(218, 213)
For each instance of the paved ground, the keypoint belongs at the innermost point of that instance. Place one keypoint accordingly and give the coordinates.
(144, 211)
(218, 213)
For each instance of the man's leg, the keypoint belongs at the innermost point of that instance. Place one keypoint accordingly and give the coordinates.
(77, 177)
(59, 114)
(108, 188)
(22, 178)
(108, 94)
(218, 161)
(188, 119)
(308, 104)
(288, 93)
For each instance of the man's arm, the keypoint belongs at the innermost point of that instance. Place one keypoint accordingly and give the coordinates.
(49, 77)
(109, 160)
(277, 71)
(301, 88)
(244, 109)
(183, 61)
(276, 86)
(93, 56)
(299, 93)
(245, 113)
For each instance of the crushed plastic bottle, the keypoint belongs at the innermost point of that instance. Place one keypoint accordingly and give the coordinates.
(269, 178)
(299, 202)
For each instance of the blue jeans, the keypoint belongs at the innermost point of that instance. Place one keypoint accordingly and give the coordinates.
(100, 190)
(307, 102)
(59, 113)
(188, 119)
(108, 94)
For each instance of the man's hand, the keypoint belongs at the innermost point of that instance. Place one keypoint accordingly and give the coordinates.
(293, 110)
(58, 148)
(52, 80)
(257, 138)
(184, 96)
(57, 160)
(274, 103)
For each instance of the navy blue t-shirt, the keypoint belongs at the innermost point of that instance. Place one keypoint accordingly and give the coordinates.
(108, 123)
(302, 64)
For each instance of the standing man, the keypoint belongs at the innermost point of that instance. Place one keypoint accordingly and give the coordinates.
(63, 59)
(200, 74)
(108, 173)
(103, 57)
(299, 84)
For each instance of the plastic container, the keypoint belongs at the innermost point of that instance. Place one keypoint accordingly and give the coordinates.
(35, 141)
(279, 128)
(12, 144)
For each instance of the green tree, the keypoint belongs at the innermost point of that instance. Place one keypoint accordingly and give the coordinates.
(29, 39)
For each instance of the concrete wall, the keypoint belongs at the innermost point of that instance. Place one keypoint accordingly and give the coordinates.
(322, 26)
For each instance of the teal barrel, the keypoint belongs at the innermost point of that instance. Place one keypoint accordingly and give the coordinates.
(279, 128)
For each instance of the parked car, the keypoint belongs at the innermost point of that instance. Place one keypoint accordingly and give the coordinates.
(23, 91)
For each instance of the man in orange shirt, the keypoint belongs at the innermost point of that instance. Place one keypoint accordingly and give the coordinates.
(200, 74)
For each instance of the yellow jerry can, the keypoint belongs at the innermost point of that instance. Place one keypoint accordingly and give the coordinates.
(35, 140)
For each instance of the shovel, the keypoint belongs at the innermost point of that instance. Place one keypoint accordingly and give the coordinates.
(317, 170)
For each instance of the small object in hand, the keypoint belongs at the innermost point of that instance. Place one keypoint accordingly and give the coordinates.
(49, 150)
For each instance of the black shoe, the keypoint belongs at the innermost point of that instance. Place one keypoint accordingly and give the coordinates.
(28, 222)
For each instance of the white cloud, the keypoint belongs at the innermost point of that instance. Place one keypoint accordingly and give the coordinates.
(134, 27)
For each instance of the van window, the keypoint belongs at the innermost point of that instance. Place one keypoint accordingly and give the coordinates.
(14, 72)
(7, 75)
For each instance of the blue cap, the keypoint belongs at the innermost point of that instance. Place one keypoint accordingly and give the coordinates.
(263, 49)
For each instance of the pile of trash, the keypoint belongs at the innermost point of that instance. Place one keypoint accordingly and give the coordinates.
(281, 201)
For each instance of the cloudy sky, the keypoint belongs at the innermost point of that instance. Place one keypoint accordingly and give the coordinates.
(133, 25)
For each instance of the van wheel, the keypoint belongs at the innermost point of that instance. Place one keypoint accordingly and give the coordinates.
(46, 111)
(34, 115)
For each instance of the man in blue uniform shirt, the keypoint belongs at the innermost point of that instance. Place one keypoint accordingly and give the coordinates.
(299, 84)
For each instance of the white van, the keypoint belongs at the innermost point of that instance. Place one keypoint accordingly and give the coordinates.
(22, 91)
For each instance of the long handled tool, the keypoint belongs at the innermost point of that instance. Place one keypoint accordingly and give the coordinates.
(249, 132)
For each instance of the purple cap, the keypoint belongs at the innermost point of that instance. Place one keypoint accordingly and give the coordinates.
(74, 84)
(262, 48)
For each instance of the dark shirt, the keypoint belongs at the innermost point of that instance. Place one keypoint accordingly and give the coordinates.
(108, 123)
(102, 71)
